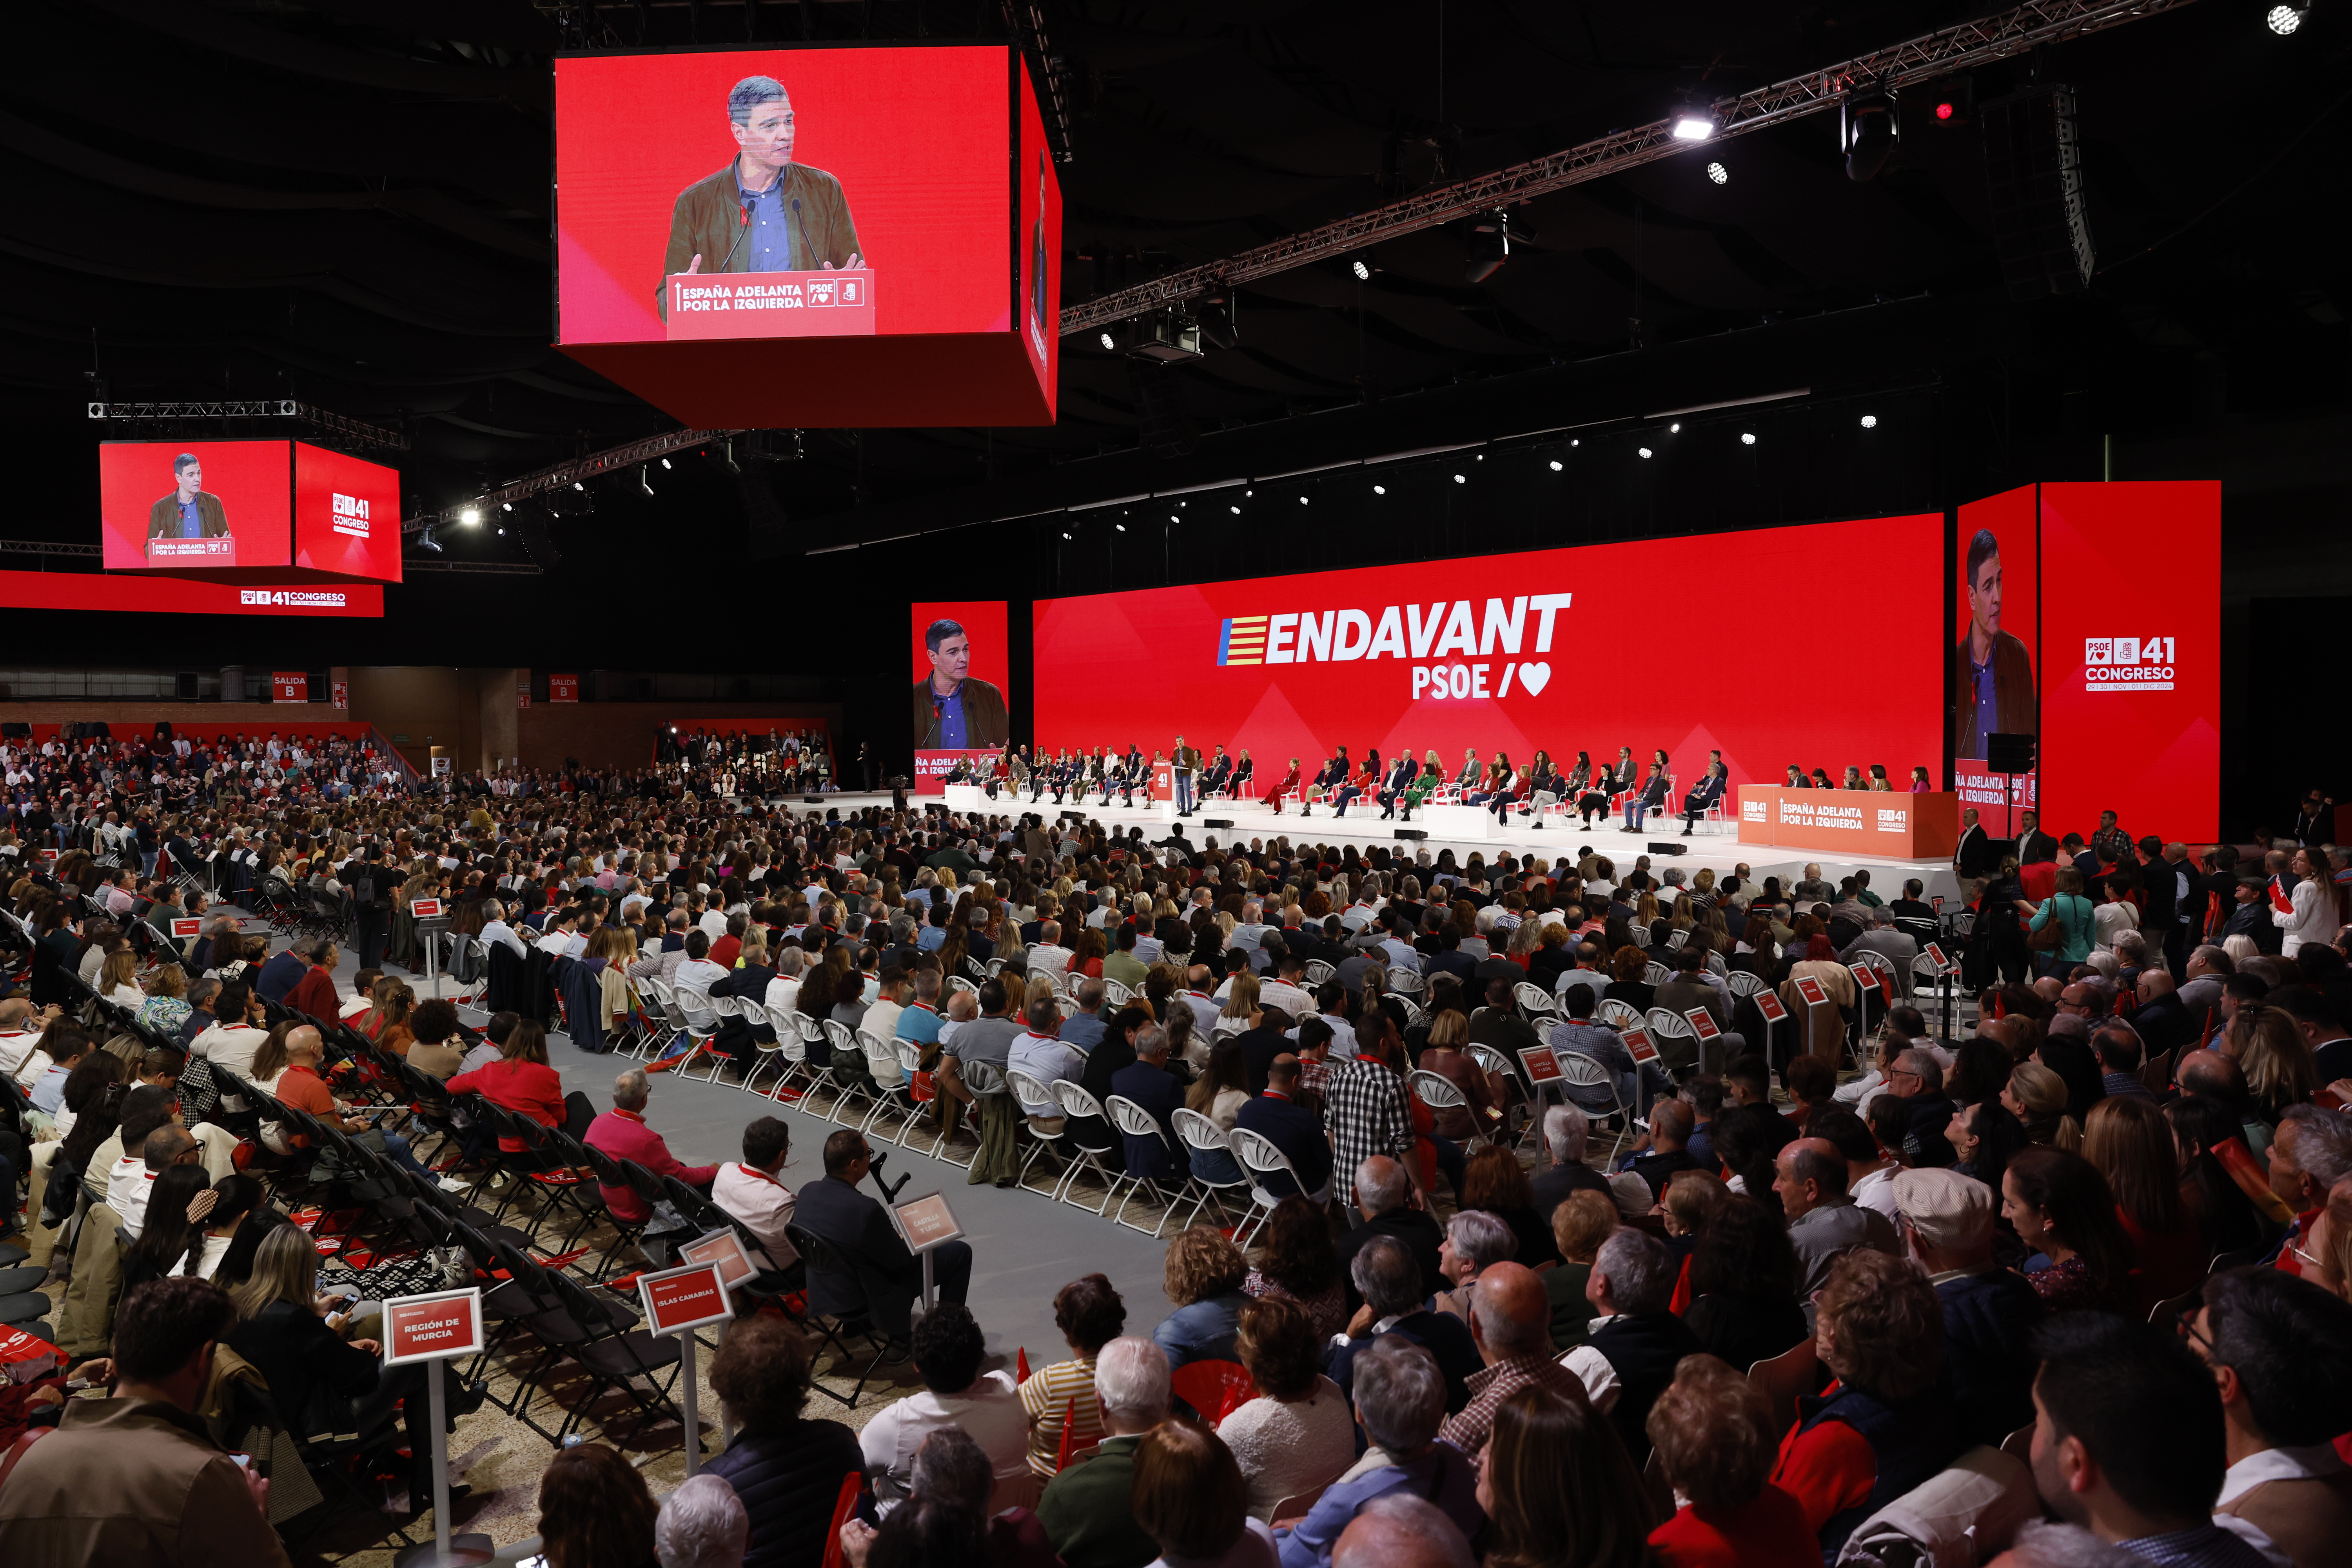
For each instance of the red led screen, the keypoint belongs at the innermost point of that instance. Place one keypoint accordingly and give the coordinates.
(1586, 648)
(884, 168)
(346, 515)
(175, 505)
(960, 675)
(2131, 691)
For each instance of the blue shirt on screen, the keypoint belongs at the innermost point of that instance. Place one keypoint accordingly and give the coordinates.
(1988, 704)
(952, 726)
(192, 523)
(769, 243)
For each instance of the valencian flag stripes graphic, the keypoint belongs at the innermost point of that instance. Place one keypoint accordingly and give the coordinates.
(1242, 640)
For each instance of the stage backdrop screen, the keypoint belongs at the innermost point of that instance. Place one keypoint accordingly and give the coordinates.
(1579, 649)
(172, 506)
(346, 515)
(2132, 672)
(959, 675)
(1997, 660)
(793, 192)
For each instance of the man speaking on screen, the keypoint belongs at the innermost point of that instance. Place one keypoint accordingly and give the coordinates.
(954, 711)
(1996, 673)
(762, 212)
(190, 512)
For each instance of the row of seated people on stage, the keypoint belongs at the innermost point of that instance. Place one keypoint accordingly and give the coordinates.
(1493, 784)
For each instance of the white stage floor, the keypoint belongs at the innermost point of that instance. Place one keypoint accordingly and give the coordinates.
(1256, 822)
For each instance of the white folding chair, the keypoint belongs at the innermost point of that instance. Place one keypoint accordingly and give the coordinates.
(767, 1041)
(1617, 1013)
(1261, 1157)
(1578, 1070)
(1200, 1134)
(1665, 1025)
(1675, 939)
(1027, 1092)
(1076, 1102)
(1439, 1094)
(1133, 1122)
(1320, 972)
(1593, 980)
(1116, 995)
(1534, 1000)
(1413, 1016)
(1657, 974)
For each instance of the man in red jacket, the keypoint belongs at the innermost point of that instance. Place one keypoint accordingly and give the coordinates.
(314, 994)
(622, 1132)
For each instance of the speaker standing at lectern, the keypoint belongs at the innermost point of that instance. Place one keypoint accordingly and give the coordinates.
(762, 212)
(190, 512)
(1994, 671)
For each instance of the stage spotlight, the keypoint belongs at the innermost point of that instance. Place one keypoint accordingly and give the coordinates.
(665, 462)
(428, 541)
(1236, 511)
(1868, 132)
(1361, 268)
(1490, 246)
(1173, 518)
(1643, 451)
(2285, 19)
(578, 486)
(1674, 429)
(505, 505)
(502, 533)
(1120, 526)
(1459, 481)
(1065, 536)
(471, 517)
(1870, 421)
(1748, 438)
(1379, 489)
(1719, 173)
(1577, 442)
(1109, 342)
(1555, 465)
(1694, 122)
(1302, 501)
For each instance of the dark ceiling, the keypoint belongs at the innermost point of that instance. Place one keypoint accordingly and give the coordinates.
(344, 200)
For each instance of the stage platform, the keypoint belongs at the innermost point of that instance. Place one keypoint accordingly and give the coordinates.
(1715, 845)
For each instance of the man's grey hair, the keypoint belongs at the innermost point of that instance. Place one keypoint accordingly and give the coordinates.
(1399, 1526)
(702, 1524)
(1387, 1276)
(1481, 1239)
(1131, 1380)
(1400, 1395)
(1640, 1272)
(631, 1088)
(1090, 995)
(1152, 1042)
(748, 95)
(303, 946)
(202, 991)
(2322, 1142)
(1381, 1189)
(493, 911)
(1882, 916)
(1930, 1071)
(1565, 1130)
(952, 1468)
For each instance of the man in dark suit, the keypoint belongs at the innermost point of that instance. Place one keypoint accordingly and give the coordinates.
(1973, 856)
(1992, 673)
(1276, 1116)
(1383, 1196)
(190, 512)
(1708, 792)
(1400, 779)
(2033, 846)
(1184, 763)
(1146, 1082)
(889, 1276)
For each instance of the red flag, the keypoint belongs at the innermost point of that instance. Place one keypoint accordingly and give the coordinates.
(852, 1485)
(1020, 1364)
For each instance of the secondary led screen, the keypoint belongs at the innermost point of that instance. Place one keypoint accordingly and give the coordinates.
(1579, 650)
(178, 506)
(1996, 663)
(960, 675)
(346, 515)
(2131, 694)
(784, 192)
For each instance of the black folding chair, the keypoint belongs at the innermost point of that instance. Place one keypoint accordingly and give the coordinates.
(838, 1309)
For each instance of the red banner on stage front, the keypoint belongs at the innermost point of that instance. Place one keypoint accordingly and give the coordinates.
(1864, 824)
(771, 304)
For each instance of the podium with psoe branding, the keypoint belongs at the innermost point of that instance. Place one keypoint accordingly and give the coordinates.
(1163, 791)
(1865, 824)
(832, 303)
(219, 551)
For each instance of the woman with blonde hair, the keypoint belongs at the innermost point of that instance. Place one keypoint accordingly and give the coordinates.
(118, 978)
(1241, 1009)
(1202, 1274)
(2271, 1052)
(2037, 1098)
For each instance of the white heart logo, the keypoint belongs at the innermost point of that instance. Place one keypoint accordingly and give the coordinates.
(1535, 678)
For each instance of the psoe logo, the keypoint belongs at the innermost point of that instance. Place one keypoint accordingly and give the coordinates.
(2127, 664)
(1753, 811)
(1893, 819)
(350, 515)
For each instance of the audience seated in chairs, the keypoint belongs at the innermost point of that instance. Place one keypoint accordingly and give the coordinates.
(1296, 1436)
(595, 1509)
(1088, 1510)
(1058, 1398)
(1713, 1434)
(787, 1469)
(1399, 1400)
(887, 1277)
(623, 1133)
(752, 1190)
(949, 1349)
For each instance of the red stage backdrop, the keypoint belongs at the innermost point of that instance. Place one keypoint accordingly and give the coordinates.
(248, 482)
(181, 595)
(1587, 649)
(2131, 695)
(984, 661)
(346, 515)
(903, 147)
(2013, 578)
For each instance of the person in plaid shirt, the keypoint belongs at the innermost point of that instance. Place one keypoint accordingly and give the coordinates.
(1366, 1113)
(1511, 1322)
